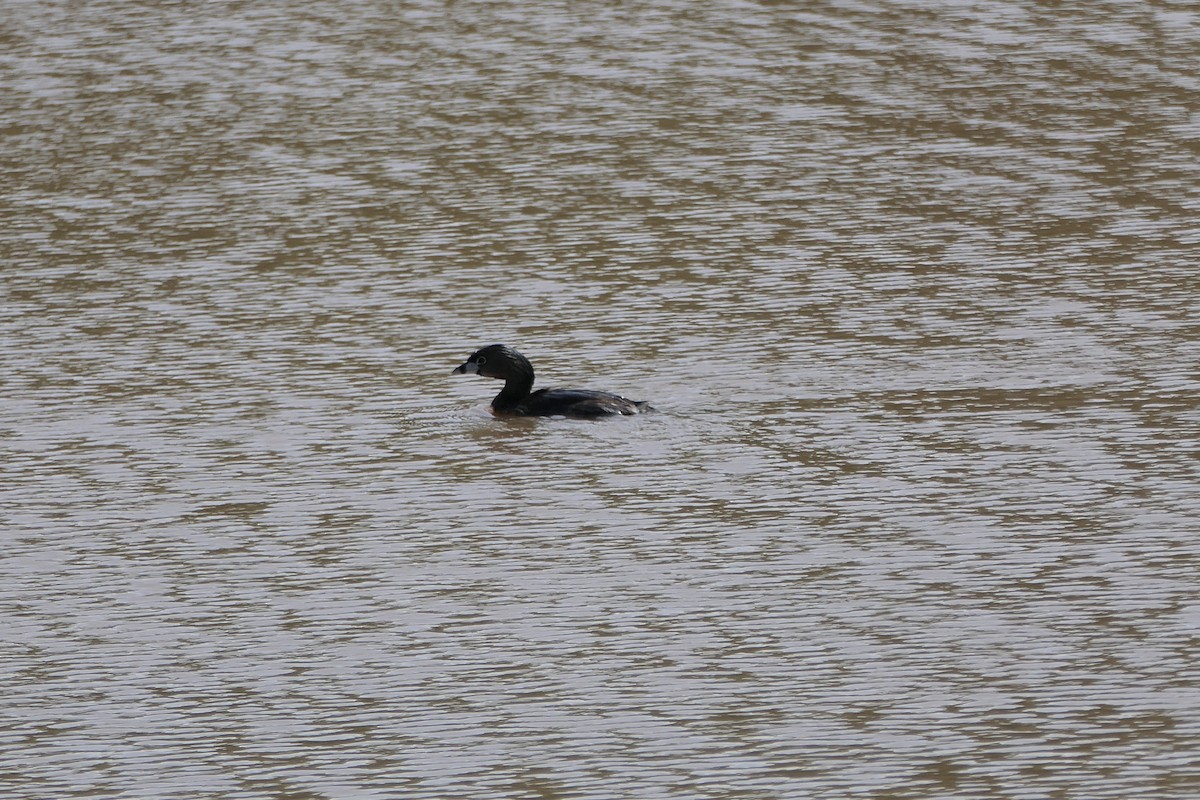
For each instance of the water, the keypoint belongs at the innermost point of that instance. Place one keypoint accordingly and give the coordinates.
(913, 286)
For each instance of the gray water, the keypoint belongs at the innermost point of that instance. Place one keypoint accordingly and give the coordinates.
(912, 285)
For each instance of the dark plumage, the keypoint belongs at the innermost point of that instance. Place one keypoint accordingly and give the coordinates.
(498, 361)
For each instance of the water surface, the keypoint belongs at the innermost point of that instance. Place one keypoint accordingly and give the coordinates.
(912, 285)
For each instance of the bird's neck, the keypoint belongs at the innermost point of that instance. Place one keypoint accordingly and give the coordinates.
(516, 389)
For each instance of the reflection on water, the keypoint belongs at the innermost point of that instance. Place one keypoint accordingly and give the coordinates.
(912, 288)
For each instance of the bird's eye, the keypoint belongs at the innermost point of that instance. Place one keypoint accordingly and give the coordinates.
(481, 359)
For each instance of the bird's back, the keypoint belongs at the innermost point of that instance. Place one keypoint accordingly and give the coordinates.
(581, 403)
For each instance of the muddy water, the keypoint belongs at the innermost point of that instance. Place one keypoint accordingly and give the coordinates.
(913, 287)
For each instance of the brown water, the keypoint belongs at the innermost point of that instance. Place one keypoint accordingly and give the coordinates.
(913, 285)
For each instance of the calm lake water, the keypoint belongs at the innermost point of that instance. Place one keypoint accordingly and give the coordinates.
(913, 285)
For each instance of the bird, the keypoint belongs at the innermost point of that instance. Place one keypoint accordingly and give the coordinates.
(517, 399)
